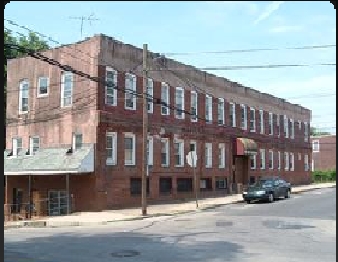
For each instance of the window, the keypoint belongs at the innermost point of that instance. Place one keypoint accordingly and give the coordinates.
(299, 156)
(129, 149)
(270, 124)
(165, 152)
(165, 185)
(208, 155)
(165, 99)
(299, 125)
(279, 160)
(150, 93)
(42, 89)
(221, 111)
(292, 123)
(221, 155)
(306, 162)
(206, 184)
(232, 114)
(270, 159)
(16, 146)
(77, 141)
(150, 150)
(179, 152)
(208, 108)
(244, 118)
(192, 146)
(136, 186)
(306, 132)
(179, 102)
(262, 154)
(278, 125)
(66, 89)
(315, 146)
(23, 96)
(286, 127)
(17, 200)
(252, 119)
(193, 106)
(34, 144)
(253, 161)
(184, 184)
(252, 180)
(111, 148)
(286, 159)
(130, 95)
(292, 161)
(261, 121)
(111, 87)
(221, 183)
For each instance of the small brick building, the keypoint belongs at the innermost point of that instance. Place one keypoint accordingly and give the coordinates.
(323, 152)
(91, 133)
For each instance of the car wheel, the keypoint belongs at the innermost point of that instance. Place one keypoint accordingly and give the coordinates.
(271, 198)
(288, 194)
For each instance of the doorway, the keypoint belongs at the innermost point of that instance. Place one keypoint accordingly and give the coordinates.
(57, 203)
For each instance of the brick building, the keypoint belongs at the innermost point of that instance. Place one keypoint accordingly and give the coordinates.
(323, 152)
(67, 135)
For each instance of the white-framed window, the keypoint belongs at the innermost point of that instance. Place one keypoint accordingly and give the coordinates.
(179, 102)
(150, 150)
(278, 124)
(306, 162)
(287, 161)
(221, 111)
(111, 86)
(261, 121)
(150, 93)
(292, 123)
(208, 108)
(306, 132)
(299, 156)
(16, 145)
(129, 149)
(77, 141)
(23, 97)
(279, 160)
(179, 152)
(262, 154)
(315, 146)
(252, 119)
(43, 85)
(220, 183)
(66, 89)
(270, 159)
(299, 125)
(232, 114)
(253, 161)
(111, 148)
(286, 126)
(34, 144)
(221, 155)
(165, 152)
(244, 117)
(270, 123)
(193, 105)
(292, 161)
(208, 155)
(130, 94)
(165, 99)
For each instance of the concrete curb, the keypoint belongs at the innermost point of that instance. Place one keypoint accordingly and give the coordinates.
(55, 224)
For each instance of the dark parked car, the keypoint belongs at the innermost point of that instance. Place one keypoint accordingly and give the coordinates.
(267, 189)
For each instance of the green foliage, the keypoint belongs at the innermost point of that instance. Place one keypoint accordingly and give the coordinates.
(315, 132)
(324, 176)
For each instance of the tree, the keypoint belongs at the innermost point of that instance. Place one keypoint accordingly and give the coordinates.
(32, 41)
(316, 132)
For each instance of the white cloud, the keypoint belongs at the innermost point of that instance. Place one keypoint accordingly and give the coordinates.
(286, 29)
(271, 8)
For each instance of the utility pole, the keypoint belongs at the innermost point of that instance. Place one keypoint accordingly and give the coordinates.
(145, 132)
(83, 18)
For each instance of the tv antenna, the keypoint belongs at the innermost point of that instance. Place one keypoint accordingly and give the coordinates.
(84, 18)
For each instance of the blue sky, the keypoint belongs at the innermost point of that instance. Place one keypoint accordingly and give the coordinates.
(213, 26)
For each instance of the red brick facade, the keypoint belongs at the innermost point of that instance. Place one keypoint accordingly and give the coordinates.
(324, 153)
(109, 186)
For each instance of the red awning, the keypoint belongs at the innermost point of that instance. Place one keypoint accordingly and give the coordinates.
(245, 146)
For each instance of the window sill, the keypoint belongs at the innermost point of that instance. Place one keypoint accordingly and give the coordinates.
(179, 166)
(42, 96)
(165, 166)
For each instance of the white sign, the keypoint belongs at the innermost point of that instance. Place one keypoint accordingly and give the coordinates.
(191, 158)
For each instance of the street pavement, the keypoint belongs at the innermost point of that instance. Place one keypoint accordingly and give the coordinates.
(299, 229)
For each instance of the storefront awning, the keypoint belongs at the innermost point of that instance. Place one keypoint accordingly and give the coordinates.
(50, 161)
(245, 146)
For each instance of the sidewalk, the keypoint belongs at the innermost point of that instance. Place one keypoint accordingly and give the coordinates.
(107, 216)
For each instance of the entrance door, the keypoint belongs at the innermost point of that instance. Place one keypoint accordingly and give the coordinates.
(57, 204)
(240, 175)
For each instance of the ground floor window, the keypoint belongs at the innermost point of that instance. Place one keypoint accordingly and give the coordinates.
(252, 180)
(184, 185)
(136, 186)
(165, 185)
(57, 203)
(17, 200)
(220, 183)
(206, 184)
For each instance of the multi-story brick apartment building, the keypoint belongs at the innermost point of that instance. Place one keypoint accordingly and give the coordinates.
(323, 152)
(66, 133)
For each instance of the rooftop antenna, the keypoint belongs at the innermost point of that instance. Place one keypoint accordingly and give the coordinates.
(84, 18)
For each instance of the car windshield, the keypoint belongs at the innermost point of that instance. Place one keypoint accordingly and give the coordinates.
(263, 183)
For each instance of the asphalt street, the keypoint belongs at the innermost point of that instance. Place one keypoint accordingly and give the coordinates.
(299, 229)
